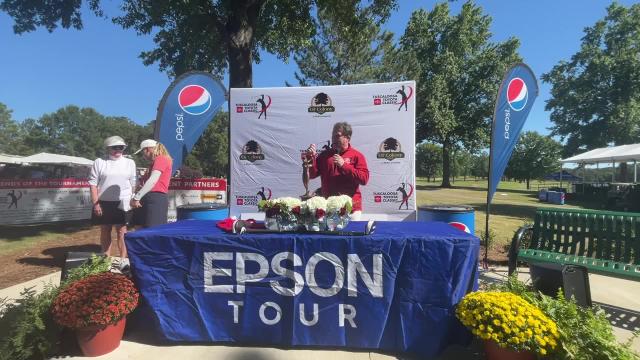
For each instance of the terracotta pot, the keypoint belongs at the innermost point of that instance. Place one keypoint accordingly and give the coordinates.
(495, 352)
(96, 341)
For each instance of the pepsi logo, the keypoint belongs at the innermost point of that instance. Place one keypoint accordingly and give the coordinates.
(460, 226)
(194, 99)
(517, 94)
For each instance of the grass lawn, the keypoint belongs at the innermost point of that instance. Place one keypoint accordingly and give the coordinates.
(18, 238)
(512, 204)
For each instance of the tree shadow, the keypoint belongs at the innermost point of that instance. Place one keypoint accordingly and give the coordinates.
(18, 232)
(57, 255)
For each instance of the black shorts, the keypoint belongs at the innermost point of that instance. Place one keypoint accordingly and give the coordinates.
(111, 214)
(154, 210)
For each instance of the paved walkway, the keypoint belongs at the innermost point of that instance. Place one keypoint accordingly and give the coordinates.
(621, 299)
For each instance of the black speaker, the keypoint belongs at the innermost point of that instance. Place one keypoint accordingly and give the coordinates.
(74, 259)
(573, 279)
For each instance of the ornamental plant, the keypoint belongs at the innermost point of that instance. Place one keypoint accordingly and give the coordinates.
(315, 207)
(341, 205)
(508, 320)
(280, 206)
(97, 300)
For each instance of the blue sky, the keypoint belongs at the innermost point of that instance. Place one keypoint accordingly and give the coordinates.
(99, 66)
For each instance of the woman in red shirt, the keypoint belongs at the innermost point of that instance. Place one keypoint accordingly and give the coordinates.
(151, 199)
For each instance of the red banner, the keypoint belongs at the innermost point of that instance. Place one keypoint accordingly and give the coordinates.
(198, 184)
(43, 183)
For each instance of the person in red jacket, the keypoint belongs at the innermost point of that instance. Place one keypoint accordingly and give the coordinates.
(342, 169)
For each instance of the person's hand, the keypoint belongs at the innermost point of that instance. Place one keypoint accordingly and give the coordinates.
(135, 204)
(338, 160)
(97, 209)
(311, 151)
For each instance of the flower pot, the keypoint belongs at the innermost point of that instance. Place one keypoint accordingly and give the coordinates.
(96, 341)
(495, 352)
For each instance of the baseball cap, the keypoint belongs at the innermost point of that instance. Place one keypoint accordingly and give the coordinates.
(114, 141)
(147, 143)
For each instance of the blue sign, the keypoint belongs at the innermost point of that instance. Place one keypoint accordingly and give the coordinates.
(394, 290)
(187, 107)
(516, 96)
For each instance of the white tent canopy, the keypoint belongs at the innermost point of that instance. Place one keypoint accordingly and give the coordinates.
(10, 159)
(620, 153)
(55, 159)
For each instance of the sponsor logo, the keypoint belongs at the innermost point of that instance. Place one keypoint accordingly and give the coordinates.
(251, 151)
(401, 195)
(260, 106)
(400, 97)
(390, 149)
(194, 99)
(460, 226)
(263, 193)
(517, 94)
(321, 103)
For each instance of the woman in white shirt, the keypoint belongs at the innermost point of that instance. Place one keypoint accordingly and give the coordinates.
(112, 181)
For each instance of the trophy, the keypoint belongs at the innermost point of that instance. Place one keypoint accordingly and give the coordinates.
(307, 162)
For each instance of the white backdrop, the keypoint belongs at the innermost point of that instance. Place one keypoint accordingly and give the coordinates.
(266, 145)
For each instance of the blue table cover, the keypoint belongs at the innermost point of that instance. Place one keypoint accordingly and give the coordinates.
(393, 291)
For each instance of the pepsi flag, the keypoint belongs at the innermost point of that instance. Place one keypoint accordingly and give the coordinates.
(516, 96)
(187, 107)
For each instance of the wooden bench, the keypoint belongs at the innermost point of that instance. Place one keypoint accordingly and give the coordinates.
(605, 242)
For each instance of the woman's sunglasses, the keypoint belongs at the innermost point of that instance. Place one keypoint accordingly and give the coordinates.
(117, 147)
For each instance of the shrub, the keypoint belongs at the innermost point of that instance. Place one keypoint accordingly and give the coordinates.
(585, 333)
(508, 320)
(101, 299)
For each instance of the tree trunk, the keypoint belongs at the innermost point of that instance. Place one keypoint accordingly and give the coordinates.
(240, 30)
(528, 187)
(446, 164)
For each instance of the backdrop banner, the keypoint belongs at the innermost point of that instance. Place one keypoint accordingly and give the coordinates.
(516, 96)
(272, 127)
(186, 108)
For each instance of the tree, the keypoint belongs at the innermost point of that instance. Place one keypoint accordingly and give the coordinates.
(350, 48)
(595, 97)
(533, 156)
(480, 165)
(200, 34)
(458, 75)
(78, 132)
(212, 149)
(9, 131)
(428, 160)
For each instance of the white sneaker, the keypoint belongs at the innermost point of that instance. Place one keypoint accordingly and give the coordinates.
(116, 265)
(124, 264)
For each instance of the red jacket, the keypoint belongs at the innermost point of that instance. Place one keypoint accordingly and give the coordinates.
(345, 180)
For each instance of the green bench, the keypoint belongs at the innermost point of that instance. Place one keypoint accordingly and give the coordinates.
(605, 242)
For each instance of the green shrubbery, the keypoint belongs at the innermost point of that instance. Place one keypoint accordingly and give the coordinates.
(585, 334)
(27, 329)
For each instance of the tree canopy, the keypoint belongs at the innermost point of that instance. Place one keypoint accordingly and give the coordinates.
(350, 48)
(458, 74)
(595, 97)
(202, 34)
(9, 130)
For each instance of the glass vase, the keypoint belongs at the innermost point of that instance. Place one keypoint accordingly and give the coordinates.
(333, 221)
(271, 223)
(287, 222)
(344, 221)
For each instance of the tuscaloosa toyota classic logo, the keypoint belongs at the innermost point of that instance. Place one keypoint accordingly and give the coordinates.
(401, 195)
(252, 199)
